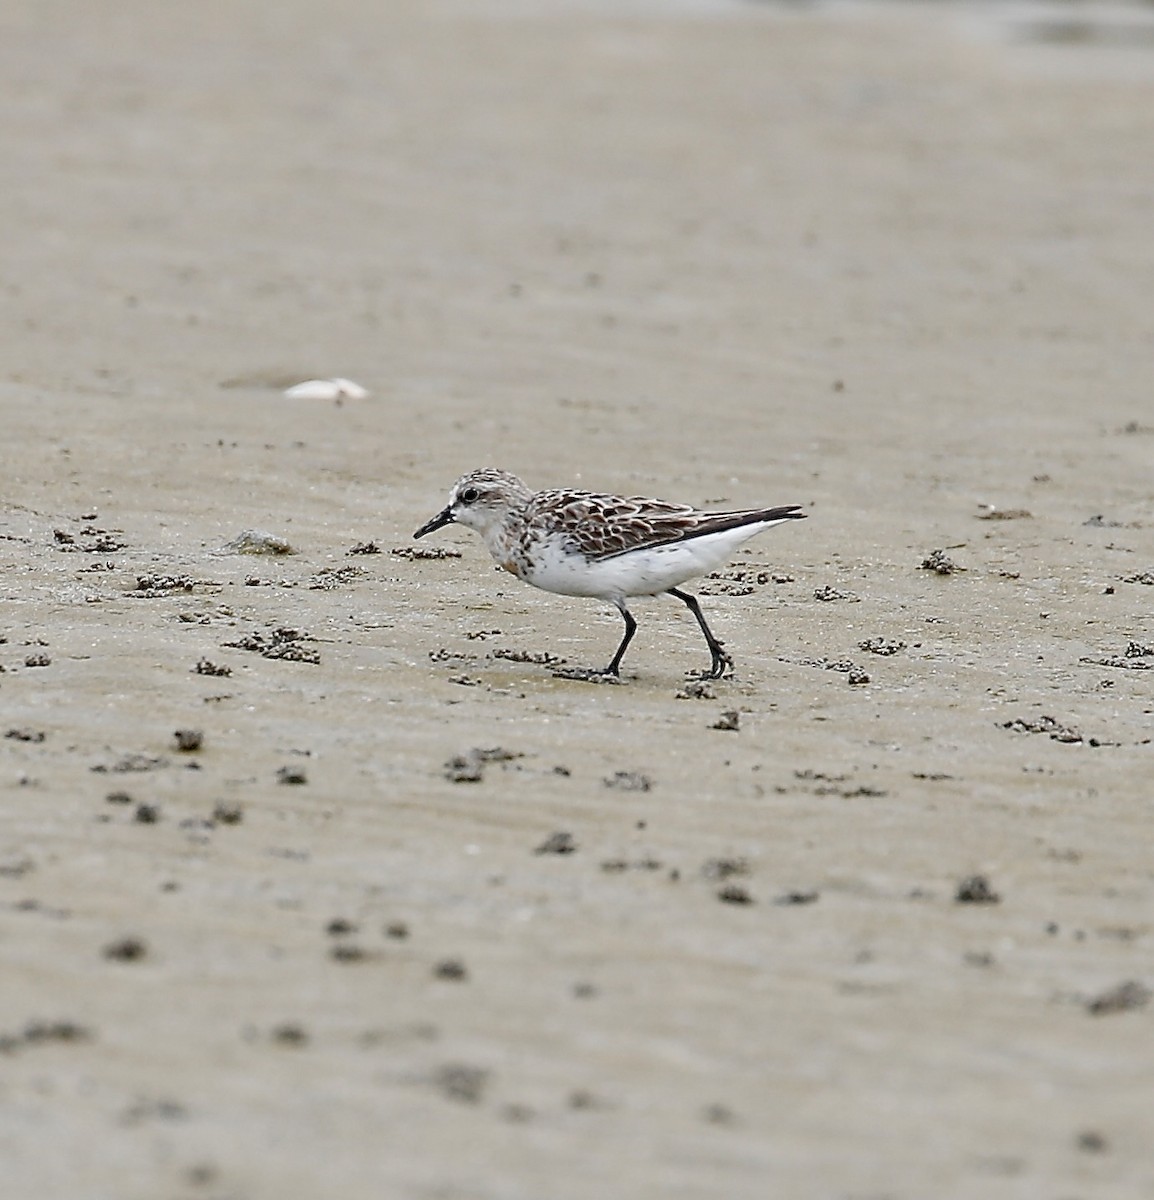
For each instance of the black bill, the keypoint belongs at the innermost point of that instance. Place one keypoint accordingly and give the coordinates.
(443, 518)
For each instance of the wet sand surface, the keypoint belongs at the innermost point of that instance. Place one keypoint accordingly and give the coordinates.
(413, 918)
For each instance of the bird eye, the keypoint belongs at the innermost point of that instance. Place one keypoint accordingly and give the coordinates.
(469, 495)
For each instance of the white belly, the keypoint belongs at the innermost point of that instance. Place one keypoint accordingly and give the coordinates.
(639, 572)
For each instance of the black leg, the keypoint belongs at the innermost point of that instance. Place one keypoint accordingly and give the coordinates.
(721, 660)
(630, 630)
(611, 673)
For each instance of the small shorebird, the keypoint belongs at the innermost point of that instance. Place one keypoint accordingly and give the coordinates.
(609, 547)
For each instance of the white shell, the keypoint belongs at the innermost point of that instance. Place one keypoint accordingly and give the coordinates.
(326, 389)
(351, 390)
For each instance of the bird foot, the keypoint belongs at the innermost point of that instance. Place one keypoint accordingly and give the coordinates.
(722, 668)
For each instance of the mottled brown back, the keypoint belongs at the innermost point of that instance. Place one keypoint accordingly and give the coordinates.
(602, 526)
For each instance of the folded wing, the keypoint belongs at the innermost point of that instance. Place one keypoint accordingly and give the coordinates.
(601, 526)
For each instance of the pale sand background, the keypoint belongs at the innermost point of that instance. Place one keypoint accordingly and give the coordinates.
(892, 264)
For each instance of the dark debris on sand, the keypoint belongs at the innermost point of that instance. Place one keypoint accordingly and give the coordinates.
(205, 666)
(854, 674)
(152, 587)
(330, 578)
(628, 781)
(461, 1083)
(126, 949)
(280, 643)
(89, 540)
(557, 843)
(827, 595)
(346, 952)
(618, 866)
(43, 1033)
(540, 659)
(470, 767)
(424, 553)
(976, 889)
(1048, 725)
(1133, 658)
(131, 764)
(34, 736)
(940, 563)
(724, 868)
(885, 647)
(1124, 998)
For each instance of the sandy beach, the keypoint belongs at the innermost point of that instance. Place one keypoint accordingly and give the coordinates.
(400, 914)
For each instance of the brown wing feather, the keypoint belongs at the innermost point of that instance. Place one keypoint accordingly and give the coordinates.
(602, 526)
